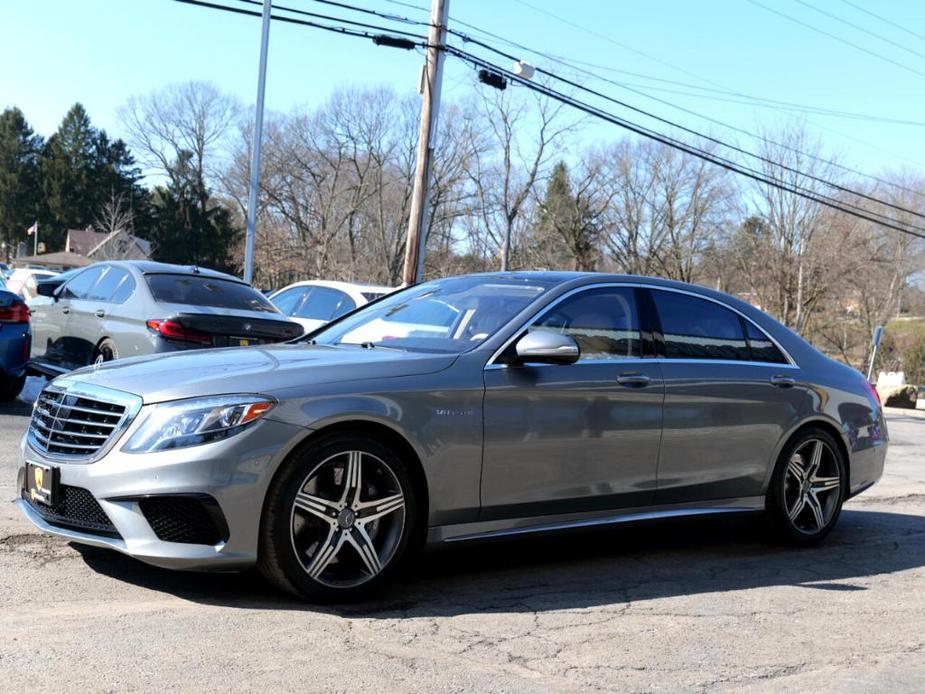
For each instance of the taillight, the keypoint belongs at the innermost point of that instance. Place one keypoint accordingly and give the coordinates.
(174, 330)
(16, 312)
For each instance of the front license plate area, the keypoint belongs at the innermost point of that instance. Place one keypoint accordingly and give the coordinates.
(242, 341)
(41, 483)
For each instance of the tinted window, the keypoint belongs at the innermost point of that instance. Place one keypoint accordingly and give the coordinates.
(761, 346)
(698, 329)
(287, 301)
(371, 296)
(325, 304)
(80, 286)
(112, 286)
(207, 291)
(603, 322)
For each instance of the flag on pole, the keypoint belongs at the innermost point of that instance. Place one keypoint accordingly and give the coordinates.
(34, 229)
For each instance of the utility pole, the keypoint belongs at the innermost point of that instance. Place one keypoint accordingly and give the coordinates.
(430, 107)
(251, 238)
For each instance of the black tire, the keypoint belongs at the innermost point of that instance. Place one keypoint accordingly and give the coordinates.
(288, 550)
(793, 517)
(11, 386)
(105, 351)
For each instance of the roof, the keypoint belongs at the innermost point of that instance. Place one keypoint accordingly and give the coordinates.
(345, 286)
(150, 267)
(62, 259)
(82, 241)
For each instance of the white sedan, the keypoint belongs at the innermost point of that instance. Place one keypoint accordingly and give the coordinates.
(313, 303)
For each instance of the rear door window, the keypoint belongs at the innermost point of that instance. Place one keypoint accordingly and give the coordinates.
(215, 292)
(699, 329)
(761, 346)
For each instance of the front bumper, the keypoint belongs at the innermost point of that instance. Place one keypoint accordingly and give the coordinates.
(235, 473)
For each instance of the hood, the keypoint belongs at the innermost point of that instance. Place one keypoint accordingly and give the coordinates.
(263, 369)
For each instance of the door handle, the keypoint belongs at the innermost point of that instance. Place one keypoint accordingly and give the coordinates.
(633, 379)
(65, 310)
(782, 381)
(100, 313)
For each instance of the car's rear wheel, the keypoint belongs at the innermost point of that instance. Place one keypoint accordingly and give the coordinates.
(338, 519)
(808, 488)
(105, 351)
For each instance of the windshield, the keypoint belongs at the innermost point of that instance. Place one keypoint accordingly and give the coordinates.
(451, 315)
(199, 290)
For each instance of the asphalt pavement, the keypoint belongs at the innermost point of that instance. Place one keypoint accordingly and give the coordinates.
(681, 606)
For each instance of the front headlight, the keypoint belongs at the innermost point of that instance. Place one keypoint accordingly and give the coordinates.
(185, 423)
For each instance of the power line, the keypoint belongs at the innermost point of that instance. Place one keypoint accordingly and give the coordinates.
(691, 131)
(795, 189)
(883, 19)
(291, 20)
(622, 85)
(693, 151)
(861, 29)
(763, 102)
(836, 38)
(315, 15)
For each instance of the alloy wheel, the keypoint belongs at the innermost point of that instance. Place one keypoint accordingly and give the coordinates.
(811, 486)
(347, 519)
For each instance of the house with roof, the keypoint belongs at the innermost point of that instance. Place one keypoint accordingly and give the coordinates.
(85, 246)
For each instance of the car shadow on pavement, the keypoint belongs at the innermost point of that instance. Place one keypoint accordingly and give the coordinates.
(16, 408)
(611, 567)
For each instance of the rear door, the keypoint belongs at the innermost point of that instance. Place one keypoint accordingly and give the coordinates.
(730, 395)
(580, 437)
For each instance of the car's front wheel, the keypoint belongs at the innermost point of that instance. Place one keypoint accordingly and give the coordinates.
(808, 488)
(338, 518)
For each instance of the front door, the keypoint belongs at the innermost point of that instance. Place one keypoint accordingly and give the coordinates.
(579, 437)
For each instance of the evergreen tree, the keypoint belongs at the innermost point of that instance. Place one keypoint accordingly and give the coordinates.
(188, 226)
(568, 221)
(20, 196)
(81, 170)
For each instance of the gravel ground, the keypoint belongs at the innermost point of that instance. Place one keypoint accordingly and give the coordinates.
(681, 606)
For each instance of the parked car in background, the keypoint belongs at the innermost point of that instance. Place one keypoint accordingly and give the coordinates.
(45, 287)
(14, 343)
(313, 303)
(128, 308)
(24, 281)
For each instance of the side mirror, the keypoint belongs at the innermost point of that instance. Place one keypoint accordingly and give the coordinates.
(47, 288)
(544, 347)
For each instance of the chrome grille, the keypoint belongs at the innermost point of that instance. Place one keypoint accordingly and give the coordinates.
(77, 424)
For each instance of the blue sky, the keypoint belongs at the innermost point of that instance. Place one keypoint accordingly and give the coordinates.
(99, 52)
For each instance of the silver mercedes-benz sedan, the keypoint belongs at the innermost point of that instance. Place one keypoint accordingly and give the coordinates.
(459, 409)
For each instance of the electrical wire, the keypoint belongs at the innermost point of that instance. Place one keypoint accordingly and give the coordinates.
(688, 149)
(691, 131)
(883, 19)
(315, 15)
(704, 155)
(861, 29)
(836, 38)
(572, 65)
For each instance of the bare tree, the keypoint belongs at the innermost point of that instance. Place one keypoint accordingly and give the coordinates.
(521, 136)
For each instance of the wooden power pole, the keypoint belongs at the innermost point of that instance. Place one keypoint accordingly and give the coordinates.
(430, 107)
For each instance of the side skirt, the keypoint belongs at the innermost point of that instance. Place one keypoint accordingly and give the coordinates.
(538, 524)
